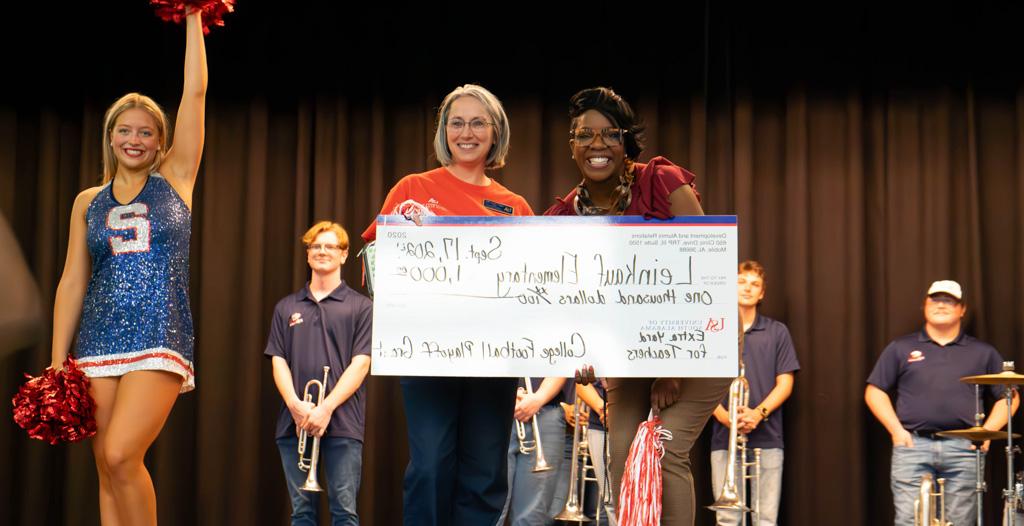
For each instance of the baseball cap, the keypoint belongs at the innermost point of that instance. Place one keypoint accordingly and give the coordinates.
(946, 286)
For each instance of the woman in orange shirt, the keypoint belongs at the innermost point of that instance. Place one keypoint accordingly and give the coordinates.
(458, 428)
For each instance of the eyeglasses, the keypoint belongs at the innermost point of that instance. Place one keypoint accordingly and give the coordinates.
(476, 125)
(316, 247)
(609, 136)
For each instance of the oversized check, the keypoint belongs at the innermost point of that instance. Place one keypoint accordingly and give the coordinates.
(541, 296)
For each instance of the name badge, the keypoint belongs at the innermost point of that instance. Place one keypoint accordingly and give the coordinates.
(498, 207)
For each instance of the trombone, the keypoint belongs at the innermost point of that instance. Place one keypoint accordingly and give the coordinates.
(731, 498)
(573, 512)
(527, 446)
(310, 465)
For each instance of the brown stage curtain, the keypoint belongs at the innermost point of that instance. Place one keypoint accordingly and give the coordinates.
(854, 200)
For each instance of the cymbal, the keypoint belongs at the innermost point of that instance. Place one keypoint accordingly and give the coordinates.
(1003, 378)
(976, 434)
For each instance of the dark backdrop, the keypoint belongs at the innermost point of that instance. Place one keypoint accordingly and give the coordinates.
(867, 148)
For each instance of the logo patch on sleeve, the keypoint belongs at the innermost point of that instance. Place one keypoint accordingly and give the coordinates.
(500, 208)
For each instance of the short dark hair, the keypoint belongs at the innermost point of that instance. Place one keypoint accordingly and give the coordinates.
(616, 109)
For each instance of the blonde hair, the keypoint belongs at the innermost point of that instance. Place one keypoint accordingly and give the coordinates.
(326, 226)
(125, 103)
(495, 111)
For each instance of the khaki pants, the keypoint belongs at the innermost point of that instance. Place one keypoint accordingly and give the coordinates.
(629, 402)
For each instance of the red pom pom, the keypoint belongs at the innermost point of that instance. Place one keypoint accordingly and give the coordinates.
(56, 407)
(175, 10)
(640, 494)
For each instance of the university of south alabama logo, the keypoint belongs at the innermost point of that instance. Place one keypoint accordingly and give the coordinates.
(915, 356)
(295, 319)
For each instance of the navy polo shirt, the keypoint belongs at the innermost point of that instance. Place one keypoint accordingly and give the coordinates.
(767, 352)
(925, 377)
(309, 335)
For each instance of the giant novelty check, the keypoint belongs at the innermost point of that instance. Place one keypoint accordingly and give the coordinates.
(542, 296)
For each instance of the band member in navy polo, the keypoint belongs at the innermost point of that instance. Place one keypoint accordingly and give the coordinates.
(923, 369)
(323, 324)
(770, 363)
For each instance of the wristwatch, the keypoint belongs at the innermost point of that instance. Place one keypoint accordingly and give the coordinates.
(764, 412)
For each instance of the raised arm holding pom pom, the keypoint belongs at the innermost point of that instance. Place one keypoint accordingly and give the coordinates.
(124, 287)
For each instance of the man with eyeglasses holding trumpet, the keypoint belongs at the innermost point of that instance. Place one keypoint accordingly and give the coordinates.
(770, 362)
(535, 459)
(325, 325)
(923, 369)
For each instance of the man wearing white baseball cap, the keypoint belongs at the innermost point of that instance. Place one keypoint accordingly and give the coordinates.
(923, 369)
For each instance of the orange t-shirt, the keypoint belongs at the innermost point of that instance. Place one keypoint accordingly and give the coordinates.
(446, 195)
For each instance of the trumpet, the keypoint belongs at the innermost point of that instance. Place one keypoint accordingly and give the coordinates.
(731, 498)
(572, 511)
(527, 446)
(925, 510)
(310, 465)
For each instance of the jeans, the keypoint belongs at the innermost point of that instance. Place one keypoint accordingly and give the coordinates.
(341, 464)
(531, 494)
(951, 459)
(770, 485)
(562, 486)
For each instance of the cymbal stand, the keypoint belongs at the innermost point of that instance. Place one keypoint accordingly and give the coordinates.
(979, 459)
(1010, 495)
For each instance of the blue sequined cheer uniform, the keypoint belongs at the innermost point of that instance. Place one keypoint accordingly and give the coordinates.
(136, 312)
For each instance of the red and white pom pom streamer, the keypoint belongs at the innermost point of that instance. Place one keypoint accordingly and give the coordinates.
(640, 497)
(176, 10)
